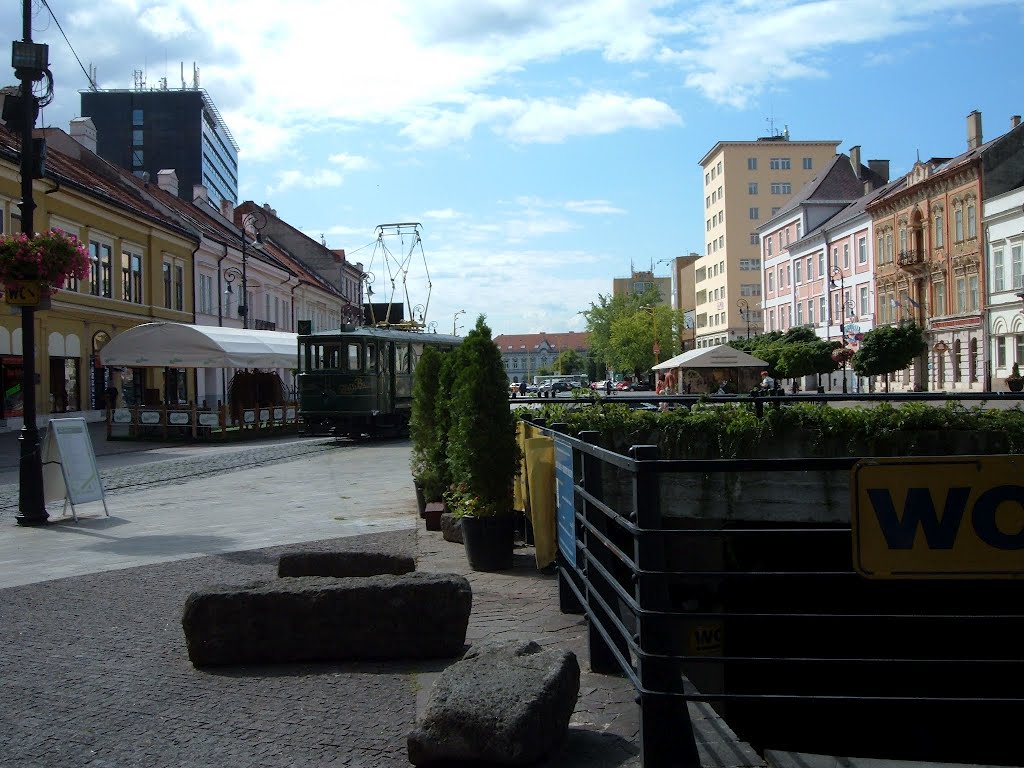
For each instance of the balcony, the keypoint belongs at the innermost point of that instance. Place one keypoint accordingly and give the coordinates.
(910, 259)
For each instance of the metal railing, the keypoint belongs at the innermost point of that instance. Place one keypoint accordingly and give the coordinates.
(770, 620)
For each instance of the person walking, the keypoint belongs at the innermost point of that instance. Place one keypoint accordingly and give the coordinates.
(607, 386)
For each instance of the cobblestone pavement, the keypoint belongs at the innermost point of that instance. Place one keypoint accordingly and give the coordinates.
(95, 668)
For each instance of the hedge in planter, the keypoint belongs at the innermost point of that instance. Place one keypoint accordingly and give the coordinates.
(483, 456)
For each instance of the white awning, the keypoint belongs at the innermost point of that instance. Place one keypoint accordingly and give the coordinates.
(176, 345)
(721, 356)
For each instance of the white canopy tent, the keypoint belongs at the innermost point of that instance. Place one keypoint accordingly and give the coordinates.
(177, 345)
(722, 356)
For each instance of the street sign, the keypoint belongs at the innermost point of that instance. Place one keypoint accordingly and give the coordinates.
(952, 517)
(23, 293)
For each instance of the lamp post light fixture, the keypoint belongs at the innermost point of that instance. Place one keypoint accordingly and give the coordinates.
(456, 320)
(256, 221)
(745, 310)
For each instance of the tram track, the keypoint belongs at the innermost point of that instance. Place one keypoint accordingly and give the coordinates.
(132, 477)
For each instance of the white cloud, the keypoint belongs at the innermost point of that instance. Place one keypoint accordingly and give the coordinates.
(303, 180)
(164, 22)
(442, 213)
(592, 206)
(349, 162)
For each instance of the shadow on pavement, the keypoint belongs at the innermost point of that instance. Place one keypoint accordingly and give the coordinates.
(163, 544)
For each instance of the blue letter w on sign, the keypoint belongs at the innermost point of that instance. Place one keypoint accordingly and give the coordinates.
(919, 510)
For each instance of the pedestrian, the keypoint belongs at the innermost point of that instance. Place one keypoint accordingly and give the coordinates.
(111, 396)
(670, 383)
(767, 382)
(608, 386)
(522, 388)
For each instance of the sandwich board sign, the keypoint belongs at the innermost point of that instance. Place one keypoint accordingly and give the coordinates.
(69, 465)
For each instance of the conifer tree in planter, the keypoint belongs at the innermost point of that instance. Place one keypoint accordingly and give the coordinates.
(428, 460)
(483, 456)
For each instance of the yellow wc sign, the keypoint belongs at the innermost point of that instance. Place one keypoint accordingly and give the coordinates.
(23, 293)
(947, 517)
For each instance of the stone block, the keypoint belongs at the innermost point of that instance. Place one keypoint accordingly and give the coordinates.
(321, 618)
(342, 564)
(432, 515)
(451, 528)
(505, 703)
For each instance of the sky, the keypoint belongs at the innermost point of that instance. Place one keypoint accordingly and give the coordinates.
(544, 147)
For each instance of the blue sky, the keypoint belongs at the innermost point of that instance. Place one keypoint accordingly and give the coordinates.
(544, 146)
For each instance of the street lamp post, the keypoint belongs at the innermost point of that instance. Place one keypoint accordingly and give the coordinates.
(846, 305)
(256, 221)
(456, 320)
(31, 64)
(745, 309)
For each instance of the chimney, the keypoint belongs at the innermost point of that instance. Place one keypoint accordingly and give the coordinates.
(855, 160)
(268, 209)
(1014, 121)
(974, 130)
(199, 193)
(167, 180)
(227, 210)
(881, 167)
(83, 130)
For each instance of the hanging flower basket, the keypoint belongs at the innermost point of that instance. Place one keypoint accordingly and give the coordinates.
(842, 355)
(33, 268)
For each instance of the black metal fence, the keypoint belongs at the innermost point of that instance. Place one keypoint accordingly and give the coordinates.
(771, 623)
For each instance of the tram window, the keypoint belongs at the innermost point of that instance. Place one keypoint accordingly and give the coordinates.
(331, 358)
(315, 356)
(401, 358)
(417, 352)
(355, 361)
(371, 357)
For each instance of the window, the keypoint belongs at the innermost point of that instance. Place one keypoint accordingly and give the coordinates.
(768, 245)
(972, 223)
(136, 117)
(101, 265)
(939, 234)
(1000, 351)
(903, 239)
(821, 263)
(721, 241)
(136, 158)
(771, 281)
(940, 298)
(754, 214)
(753, 238)
(799, 313)
(972, 360)
(799, 229)
(750, 289)
(864, 307)
(810, 312)
(862, 250)
(888, 247)
(137, 137)
(957, 349)
(782, 284)
(751, 163)
(179, 288)
(972, 293)
(998, 275)
(880, 250)
(131, 277)
(771, 320)
(961, 295)
(779, 164)
(846, 255)
(781, 188)
(958, 225)
(821, 308)
(167, 285)
(206, 294)
(752, 188)
(707, 179)
(708, 225)
(798, 272)
(719, 168)
(789, 274)
(810, 273)
(775, 210)
(1016, 267)
(808, 163)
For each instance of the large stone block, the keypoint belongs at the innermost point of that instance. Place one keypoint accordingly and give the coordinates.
(342, 564)
(451, 528)
(504, 703)
(316, 618)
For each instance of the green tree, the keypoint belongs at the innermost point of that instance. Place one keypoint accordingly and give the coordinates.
(482, 450)
(426, 435)
(804, 358)
(570, 361)
(887, 349)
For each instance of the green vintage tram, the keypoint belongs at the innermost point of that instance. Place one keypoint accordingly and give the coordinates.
(358, 380)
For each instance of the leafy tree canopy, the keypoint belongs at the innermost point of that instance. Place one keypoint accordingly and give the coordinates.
(622, 331)
(570, 361)
(888, 348)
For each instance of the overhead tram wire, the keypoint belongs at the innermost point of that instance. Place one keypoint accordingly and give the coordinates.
(92, 83)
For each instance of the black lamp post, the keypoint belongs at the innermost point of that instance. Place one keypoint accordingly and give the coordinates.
(255, 220)
(745, 309)
(845, 306)
(455, 330)
(30, 62)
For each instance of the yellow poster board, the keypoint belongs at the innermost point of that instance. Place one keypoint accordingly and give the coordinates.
(953, 517)
(69, 465)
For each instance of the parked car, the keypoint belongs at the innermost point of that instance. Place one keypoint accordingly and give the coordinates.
(640, 386)
(598, 385)
(622, 386)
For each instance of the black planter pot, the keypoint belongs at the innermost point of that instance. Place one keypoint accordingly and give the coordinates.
(489, 542)
(1015, 385)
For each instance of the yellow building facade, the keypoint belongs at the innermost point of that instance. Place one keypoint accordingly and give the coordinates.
(141, 271)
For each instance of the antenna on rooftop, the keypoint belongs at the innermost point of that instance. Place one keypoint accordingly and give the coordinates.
(140, 79)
